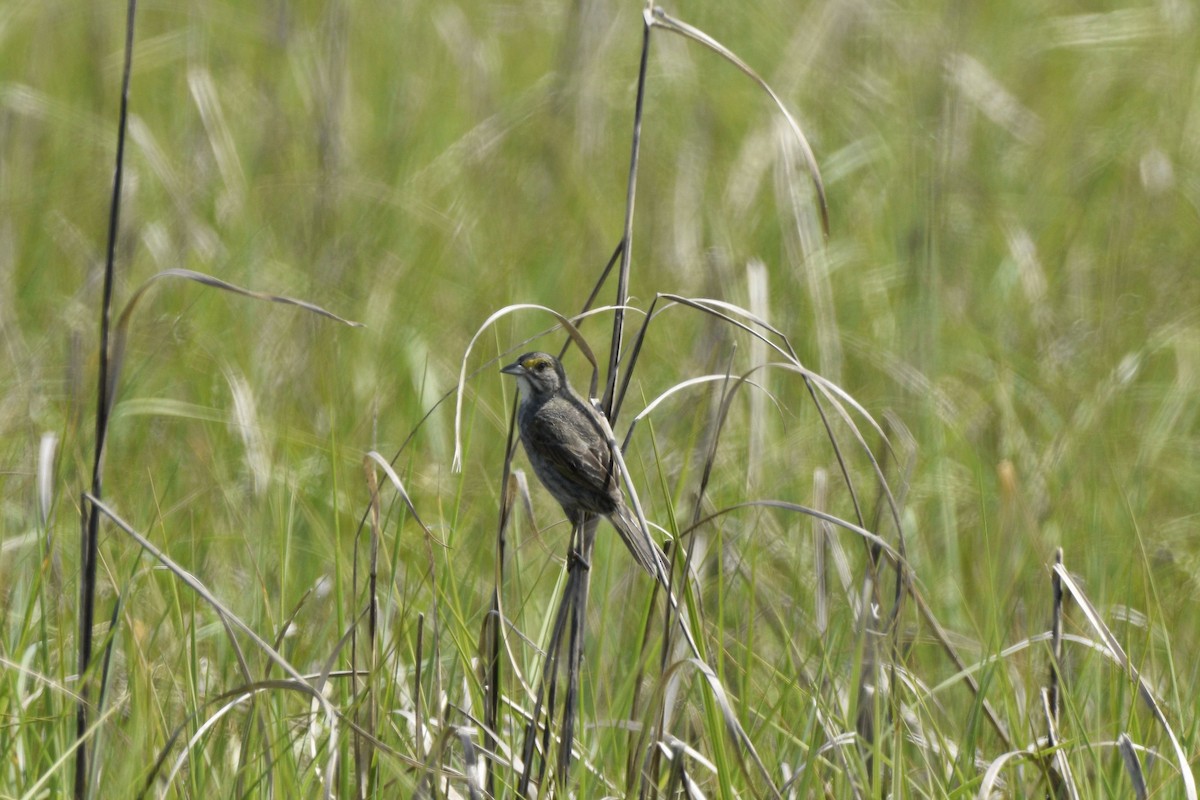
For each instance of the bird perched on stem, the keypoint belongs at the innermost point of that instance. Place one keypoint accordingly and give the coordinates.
(565, 440)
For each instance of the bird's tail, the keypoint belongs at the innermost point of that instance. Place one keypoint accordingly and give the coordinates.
(653, 560)
(644, 549)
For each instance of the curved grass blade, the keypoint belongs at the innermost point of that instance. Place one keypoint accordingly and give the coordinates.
(122, 329)
(1114, 647)
(656, 17)
(567, 323)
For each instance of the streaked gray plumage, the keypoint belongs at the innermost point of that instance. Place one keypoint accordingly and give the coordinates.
(565, 442)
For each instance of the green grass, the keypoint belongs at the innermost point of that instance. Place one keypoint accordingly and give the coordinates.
(1009, 289)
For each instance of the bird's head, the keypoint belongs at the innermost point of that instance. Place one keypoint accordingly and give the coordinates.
(538, 375)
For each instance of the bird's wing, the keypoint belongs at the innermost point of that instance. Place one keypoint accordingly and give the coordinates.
(583, 461)
(569, 441)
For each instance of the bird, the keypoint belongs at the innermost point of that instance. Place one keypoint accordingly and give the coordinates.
(565, 440)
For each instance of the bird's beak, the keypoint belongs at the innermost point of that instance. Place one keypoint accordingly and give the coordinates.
(514, 368)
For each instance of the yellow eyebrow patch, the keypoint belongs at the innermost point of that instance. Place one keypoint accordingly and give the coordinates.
(533, 363)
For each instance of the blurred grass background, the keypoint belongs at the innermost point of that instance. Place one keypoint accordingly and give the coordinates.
(1015, 204)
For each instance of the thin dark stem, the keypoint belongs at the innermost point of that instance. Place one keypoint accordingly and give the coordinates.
(1056, 638)
(575, 597)
(614, 355)
(638, 341)
(419, 738)
(492, 635)
(587, 306)
(89, 552)
(547, 685)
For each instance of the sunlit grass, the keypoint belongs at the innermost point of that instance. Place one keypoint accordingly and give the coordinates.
(1010, 280)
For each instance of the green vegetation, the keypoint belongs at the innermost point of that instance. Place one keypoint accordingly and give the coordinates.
(1009, 289)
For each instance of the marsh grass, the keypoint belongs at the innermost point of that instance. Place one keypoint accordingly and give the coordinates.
(952, 559)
